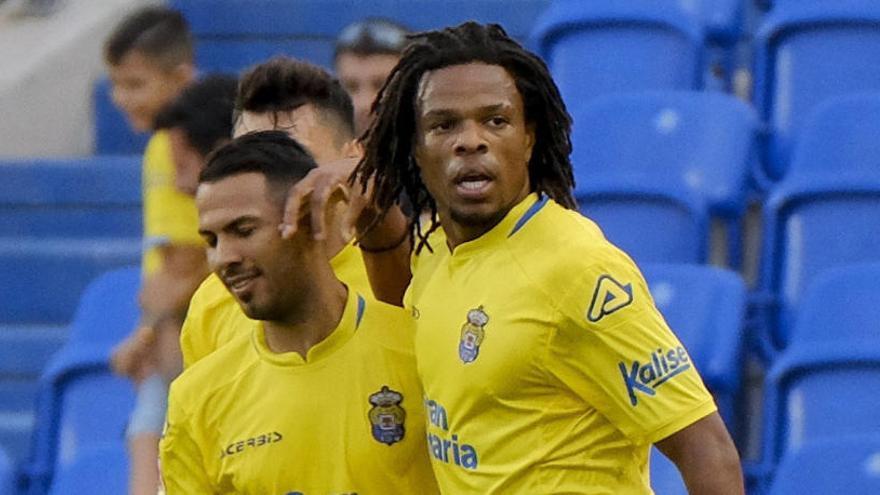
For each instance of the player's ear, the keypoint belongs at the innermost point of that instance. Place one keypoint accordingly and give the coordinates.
(353, 149)
(530, 141)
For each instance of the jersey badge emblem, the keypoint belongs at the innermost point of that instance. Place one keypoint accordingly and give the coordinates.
(609, 296)
(387, 416)
(472, 335)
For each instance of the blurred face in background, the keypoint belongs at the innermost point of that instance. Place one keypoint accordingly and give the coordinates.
(142, 86)
(363, 76)
(188, 162)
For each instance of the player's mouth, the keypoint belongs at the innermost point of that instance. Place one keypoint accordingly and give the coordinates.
(473, 186)
(241, 284)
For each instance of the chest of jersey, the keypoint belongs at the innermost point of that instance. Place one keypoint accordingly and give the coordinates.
(346, 428)
(477, 333)
(481, 341)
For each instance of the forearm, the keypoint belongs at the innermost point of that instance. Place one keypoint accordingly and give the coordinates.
(706, 458)
(386, 249)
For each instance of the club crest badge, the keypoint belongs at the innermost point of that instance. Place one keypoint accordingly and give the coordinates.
(387, 416)
(472, 335)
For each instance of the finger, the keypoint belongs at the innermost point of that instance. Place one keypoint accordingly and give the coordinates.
(321, 201)
(294, 210)
(352, 219)
(297, 196)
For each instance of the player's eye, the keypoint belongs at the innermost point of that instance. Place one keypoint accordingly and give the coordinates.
(210, 240)
(245, 231)
(498, 121)
(442, 125)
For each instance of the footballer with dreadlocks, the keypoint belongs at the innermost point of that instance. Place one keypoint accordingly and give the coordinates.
(545, 365)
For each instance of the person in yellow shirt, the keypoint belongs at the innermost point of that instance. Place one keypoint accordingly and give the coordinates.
(545, 364)
(311, 106)
(149, 57)
(319, 394)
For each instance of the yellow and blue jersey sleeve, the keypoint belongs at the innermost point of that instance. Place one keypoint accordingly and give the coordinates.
(170, 216)
(614, 349)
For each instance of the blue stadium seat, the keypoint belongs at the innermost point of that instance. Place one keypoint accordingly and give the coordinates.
(722, 19)
(71, 197)
(24, 351)
(232, 34)
(107, 310)
(848, 465)
(95, 408)
(7, 475)
(826, 212)
(100, 470)
(113, 135)
(705, 307)
(43, 278)
(724, 24)
(665, 477)
(595, 48)
(81, 403)
(806, 53)
(702, 143)
(822, 385)
(653, 223)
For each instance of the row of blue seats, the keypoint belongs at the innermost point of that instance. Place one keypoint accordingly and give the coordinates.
(63, 222)
(815, 391)
(805, 52)
(670, 164)
(234, 34)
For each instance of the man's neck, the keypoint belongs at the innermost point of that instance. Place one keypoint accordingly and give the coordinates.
(314, 318)
(458, 233)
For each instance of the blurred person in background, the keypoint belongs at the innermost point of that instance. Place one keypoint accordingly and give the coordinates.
(149, 58)
(365, 53)
(197, 122)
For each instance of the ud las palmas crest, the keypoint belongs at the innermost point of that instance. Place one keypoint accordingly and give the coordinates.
(472, 335)
(387, 416)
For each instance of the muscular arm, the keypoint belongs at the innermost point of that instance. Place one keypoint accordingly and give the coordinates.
(706, 457)
(388, 269)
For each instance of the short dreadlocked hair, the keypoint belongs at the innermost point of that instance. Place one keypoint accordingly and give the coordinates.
(388, 154)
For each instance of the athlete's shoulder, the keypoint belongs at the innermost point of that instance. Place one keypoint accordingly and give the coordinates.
(390, 327)
(558, 238)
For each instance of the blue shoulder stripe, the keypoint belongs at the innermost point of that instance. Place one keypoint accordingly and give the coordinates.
(360, 314)
(534, 209)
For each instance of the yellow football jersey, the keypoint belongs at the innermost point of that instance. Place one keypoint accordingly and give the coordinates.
(348, 419)
(546, 366)
(170, 216)
(215, 318)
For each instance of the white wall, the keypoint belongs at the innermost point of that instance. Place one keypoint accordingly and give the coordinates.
(47, 68)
